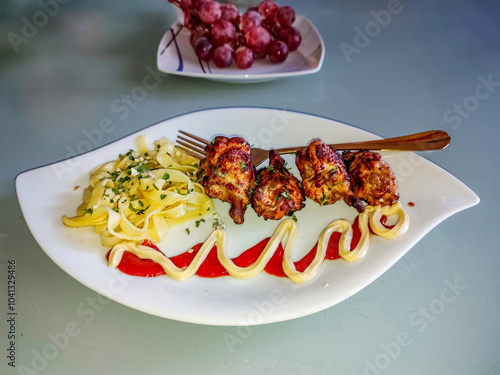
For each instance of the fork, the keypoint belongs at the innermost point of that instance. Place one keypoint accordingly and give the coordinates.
(429, 140)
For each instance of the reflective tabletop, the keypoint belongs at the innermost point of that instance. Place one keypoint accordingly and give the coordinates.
(77, 76)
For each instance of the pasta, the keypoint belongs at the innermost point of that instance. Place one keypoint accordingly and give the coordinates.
(142, 194)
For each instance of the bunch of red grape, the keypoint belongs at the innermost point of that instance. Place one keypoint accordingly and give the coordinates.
(220, 33)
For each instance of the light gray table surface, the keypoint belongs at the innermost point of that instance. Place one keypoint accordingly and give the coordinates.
(433, 65)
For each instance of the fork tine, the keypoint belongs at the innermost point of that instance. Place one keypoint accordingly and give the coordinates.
(199, 139)
(191, 144)
(188, 151)
(191, 147)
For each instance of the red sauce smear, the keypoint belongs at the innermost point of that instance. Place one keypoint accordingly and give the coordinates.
(411, 204)
(131, 264)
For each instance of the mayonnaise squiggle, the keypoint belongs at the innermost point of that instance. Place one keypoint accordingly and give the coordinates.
(286, 229)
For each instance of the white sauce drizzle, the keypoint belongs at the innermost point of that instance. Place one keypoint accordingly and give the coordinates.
(287, 228)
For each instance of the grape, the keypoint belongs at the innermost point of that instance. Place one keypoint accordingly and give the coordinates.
(223, 56)
(239, 41)
(219, 32)
(229, 12)
(243, 57)
(272, 27)
(268, 9)
(203, 48)
(196, 5)
(223, 32)
(258, 38)
(210, 12)
(197, 33)
(186, 4)
(277, 51)
(249, 20)
(291, 36)
(259, 55)
(285, 16)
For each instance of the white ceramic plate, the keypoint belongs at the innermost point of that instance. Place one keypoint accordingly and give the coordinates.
(47, 193)
(176, 56)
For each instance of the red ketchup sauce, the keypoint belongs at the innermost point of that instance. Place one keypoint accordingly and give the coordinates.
(131, 264)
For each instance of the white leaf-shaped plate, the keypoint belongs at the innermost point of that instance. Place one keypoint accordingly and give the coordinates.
(47, 193)
(176, 56)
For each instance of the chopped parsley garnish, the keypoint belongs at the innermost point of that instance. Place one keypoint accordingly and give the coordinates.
(332, 170)
(286, 195)
(137, 211)
(323, 200)
(142, 168)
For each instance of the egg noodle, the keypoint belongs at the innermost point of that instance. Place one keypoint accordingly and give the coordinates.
(370, 218)
(142, 194)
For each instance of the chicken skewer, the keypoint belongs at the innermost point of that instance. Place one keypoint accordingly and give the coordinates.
(278, 193)
(372, 178)
(227, 174)
(324, 176)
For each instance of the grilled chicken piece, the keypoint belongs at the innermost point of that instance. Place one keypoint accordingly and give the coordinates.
(324, 176)
(372, 178)
(278, 192)
(227, 174)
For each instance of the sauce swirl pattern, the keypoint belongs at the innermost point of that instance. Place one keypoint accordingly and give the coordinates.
(370, 219)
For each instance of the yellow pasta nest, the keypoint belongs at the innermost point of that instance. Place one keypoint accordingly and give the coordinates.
(142, 194)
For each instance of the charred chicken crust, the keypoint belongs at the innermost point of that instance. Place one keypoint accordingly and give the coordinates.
(278, 193)
(372, 179)
(227, 174)
(324, 176)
